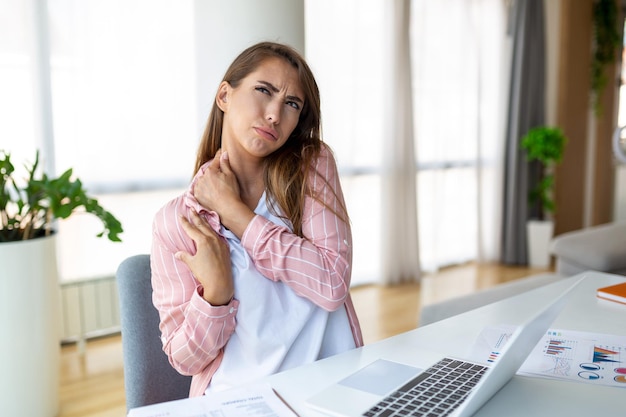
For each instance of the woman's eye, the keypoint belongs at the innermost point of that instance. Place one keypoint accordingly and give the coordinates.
(263, 90)
(294, 105)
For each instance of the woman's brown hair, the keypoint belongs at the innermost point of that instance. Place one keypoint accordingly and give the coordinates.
(286, 169)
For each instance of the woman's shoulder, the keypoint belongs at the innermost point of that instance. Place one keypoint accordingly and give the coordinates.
(166, 218)
(166, 222)
(325, 163)
(173, 206)
(326, 151)
(181, 203)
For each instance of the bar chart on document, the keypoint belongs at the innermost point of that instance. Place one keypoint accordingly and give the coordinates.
(563, 354)
(581, 356)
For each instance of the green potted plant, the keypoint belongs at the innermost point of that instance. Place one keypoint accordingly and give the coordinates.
(30, 296)
(546, 145)
(28, 210)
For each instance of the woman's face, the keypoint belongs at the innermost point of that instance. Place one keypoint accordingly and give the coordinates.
(263, 110)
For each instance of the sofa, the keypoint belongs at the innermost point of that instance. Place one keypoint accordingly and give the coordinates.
(597, 248)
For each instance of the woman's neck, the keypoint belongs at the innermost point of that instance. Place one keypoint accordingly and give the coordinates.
(249, 173)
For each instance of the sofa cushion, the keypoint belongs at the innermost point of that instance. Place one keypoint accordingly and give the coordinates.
(597, 248)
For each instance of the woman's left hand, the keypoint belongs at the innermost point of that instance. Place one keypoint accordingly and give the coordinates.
(211, 262)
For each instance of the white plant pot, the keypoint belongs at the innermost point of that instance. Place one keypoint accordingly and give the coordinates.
(29, 319)
(538, 236)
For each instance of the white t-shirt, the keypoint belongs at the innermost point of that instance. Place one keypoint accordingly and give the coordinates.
(276, 329)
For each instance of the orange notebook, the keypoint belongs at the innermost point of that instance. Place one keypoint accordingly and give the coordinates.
(615, 293)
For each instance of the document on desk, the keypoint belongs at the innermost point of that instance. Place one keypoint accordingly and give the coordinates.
(594, 358)
(250, 401)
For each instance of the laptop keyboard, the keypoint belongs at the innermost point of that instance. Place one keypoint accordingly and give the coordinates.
(436, 392)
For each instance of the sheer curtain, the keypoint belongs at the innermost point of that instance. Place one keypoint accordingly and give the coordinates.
(460, 67)
(19, 127)
(123, 87)
(125, 119)
(346, 47)
(400, 257)
(456, 75)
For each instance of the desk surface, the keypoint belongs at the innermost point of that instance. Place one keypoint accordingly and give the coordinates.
(522, 396)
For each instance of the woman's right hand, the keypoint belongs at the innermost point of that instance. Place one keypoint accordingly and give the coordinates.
(211, 263)
(217, 189)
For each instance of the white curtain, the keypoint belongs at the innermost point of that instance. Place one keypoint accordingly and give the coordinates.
(400, 256)
(123, 88)
(106, 88)
(346, 48)
(19, 124)
(452, 158)
(459, 77)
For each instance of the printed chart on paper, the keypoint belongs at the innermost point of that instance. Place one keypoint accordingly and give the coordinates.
(564, 354)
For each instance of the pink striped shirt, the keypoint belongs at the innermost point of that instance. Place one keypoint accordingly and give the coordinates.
(318, 268)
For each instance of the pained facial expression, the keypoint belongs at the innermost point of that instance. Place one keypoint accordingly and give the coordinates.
(263, 110)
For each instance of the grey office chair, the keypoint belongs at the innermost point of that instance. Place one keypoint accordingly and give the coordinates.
(148, 376)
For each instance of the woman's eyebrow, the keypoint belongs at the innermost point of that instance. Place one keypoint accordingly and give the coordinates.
(274, 89)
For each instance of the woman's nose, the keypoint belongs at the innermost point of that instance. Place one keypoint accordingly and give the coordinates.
(272, 112)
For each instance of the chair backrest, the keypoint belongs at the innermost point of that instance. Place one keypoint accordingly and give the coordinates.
(148, 376)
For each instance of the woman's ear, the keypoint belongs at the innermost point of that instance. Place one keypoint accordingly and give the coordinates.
(223, 92)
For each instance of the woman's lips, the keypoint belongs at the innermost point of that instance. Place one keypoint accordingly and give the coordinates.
(267, 133)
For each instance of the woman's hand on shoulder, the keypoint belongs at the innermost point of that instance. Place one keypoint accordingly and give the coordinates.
(217, 189)
(211, 263)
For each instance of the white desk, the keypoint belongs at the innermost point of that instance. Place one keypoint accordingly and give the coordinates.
(522, 396)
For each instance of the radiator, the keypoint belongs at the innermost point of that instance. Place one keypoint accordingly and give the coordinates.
(89, 308)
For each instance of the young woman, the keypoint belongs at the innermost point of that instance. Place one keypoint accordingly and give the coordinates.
(251, 265)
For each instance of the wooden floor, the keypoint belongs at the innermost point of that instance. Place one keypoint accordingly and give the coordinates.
(92, 385)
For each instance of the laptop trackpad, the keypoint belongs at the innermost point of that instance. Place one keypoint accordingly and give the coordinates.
(380, 377)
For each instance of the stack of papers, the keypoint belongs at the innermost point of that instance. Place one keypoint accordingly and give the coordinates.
(250, 401)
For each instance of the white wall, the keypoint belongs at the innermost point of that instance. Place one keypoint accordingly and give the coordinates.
(620, 194)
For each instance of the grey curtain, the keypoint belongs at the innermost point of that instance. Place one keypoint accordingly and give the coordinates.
(526, 110)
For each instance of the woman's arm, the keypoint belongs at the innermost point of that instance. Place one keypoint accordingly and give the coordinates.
(319, 266)
(193, 331)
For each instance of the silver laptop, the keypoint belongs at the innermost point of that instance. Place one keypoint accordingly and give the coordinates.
(388, 388)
